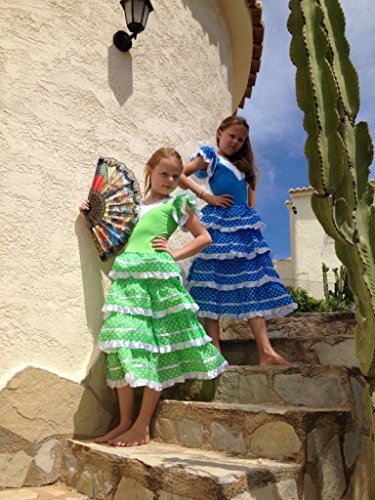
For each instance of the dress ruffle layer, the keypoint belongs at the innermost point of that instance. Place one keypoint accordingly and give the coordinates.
(231, 219)
(235, 278)
(151, 334)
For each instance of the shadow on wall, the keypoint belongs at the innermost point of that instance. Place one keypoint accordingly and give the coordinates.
(120, 74)
(198, 10)
(92, 269)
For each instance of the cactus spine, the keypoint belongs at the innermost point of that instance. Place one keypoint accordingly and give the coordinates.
(339, 153)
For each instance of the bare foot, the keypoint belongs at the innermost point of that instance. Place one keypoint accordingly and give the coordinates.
(135, 436)
(274, 359)
(117, 431)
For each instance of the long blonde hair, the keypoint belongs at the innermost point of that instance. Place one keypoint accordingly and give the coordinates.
(155, 159)
(244, 158)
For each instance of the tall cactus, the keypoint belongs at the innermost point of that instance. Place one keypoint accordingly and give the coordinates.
(339, 153)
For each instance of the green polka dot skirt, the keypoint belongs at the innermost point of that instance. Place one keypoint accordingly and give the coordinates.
(150, 332)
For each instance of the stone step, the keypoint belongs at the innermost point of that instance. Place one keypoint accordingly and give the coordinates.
(316, 386)
(306, 324)
(253, 431)
(336, 350)
(325, 339)
(56, 492)
(170, 472)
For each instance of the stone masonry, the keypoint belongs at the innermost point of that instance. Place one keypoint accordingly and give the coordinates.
(291, 433)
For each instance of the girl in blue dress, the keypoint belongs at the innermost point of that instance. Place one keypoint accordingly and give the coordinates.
(234, 277)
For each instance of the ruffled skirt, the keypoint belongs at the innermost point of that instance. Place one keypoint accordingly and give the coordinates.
(234, 277)
(150, 332)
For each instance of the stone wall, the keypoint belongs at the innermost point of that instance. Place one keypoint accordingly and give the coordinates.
(314, 411)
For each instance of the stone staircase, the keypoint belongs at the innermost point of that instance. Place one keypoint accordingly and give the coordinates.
(264, 433)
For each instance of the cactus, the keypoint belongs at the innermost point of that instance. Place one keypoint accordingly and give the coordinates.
(325, 270)
(341, 297)
(339, 152)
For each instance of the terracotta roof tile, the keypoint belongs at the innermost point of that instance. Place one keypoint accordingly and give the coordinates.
(255, 8)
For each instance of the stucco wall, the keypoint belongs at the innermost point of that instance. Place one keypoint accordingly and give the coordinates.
(67, 95)
(284, 268)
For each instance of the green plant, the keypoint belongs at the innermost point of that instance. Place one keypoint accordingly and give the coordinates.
(341, 297)
(305, 302)
(339, 153)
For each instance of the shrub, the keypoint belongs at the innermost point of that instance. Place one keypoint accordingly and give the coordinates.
(305, 302)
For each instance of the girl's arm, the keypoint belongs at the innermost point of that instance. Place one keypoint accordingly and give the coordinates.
(192, 166)
(201, 240)
(189, 168)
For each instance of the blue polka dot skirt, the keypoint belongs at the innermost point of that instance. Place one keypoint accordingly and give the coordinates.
(234, 277)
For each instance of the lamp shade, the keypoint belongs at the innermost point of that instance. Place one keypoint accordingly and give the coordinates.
(136, 14)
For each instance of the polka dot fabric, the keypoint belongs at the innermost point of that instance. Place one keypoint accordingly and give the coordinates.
(234, 277)
(150, 332)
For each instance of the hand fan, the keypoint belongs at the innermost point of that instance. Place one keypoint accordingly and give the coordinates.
(113, 206)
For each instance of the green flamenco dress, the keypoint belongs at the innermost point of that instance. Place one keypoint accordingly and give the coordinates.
(150, 332)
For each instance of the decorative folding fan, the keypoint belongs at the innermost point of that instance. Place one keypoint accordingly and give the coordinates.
(113, 206)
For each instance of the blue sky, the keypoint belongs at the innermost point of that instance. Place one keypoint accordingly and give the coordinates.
(276, 130)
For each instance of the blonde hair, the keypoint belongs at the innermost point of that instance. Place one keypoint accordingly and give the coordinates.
(155, 159)
(244, 158)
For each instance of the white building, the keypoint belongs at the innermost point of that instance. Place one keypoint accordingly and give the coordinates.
(310, 246)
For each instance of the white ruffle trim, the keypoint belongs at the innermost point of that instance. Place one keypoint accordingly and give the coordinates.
(233, 255)
(129, 380)
(112, 345)
(272, 313)
(225, 229)
(114, 275)
(243, 284)
(109, 308)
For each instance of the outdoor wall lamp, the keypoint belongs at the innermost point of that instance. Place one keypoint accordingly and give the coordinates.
(136, 15)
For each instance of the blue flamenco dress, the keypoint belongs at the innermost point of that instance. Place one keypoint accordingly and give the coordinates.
(234, 278)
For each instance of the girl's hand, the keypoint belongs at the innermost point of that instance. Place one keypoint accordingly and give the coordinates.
(84, 206)
(224, 200)
(160, 243)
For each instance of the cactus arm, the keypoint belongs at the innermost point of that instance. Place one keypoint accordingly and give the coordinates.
(365, 319)
(360, 154)
(325, 212)
(339, 153)
(316, 95)
(304, 95)
(343, 70)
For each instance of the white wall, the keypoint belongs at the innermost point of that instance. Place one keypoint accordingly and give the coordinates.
(67, 95)
(310, 246)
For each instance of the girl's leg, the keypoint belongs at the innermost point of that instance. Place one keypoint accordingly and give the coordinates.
(139, 433)
(212, 327)
(267, 354)
(125, 397)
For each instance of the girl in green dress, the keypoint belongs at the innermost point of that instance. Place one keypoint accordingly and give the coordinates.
(150, 333)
